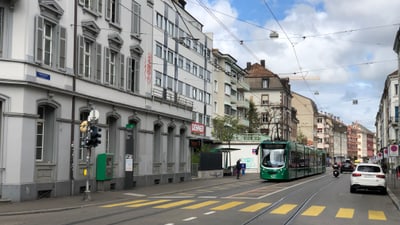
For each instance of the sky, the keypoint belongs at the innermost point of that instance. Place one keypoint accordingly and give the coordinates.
(334, 52)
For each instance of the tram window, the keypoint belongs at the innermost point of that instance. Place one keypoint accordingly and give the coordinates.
(273, 157)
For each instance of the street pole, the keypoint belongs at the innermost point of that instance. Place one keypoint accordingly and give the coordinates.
(87, 196)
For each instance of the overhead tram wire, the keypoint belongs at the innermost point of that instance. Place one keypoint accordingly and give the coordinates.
(227, 29)
(293, 48)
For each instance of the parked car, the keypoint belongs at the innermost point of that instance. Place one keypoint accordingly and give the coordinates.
(347, 166)
(368, 176)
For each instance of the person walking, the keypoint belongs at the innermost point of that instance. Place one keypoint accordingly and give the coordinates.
(238, 167)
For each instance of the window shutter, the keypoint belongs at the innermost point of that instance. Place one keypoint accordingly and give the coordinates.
(39, 23)
(122, 71)
(107, 66)
(99, 6)
(62, 41)
(98, 62)
(80, 55)
(136, 75)
(108, 10)
(129, 74)
(117, 11)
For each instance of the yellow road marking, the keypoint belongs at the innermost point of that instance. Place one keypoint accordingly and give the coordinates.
(314, 210)
(147, 203)
(283, 209)
(255, 207)
(122, 203)
(376, 215)
(173, 204)
(227, 205)
(345, 213)
(199, 205)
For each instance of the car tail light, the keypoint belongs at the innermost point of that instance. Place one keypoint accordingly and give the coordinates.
(380, 176)
(356, 174)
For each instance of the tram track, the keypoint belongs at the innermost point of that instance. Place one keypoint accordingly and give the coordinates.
(289, 219)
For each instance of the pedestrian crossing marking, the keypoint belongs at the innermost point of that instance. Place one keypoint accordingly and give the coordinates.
(200, 205)
(345, 213)
(173, 204)
(314, 210)
(283, 209)
(227, 205)
(147, 203)
(122, 204)
(255, 207)
(376, 215)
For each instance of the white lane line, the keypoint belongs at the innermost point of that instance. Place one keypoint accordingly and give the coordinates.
(169, 224)
(134, 194)
(209, 213)
(189, 219)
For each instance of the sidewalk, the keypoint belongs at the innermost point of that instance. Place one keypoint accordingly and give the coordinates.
(99, 198)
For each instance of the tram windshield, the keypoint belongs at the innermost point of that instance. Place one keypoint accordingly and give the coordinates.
(273, 158)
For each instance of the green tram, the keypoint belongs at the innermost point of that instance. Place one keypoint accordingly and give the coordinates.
(287, 160)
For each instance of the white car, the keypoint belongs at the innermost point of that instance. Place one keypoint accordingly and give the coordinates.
(368, 176)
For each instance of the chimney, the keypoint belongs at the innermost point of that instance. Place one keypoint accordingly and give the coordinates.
(248, 65)
(262, 63)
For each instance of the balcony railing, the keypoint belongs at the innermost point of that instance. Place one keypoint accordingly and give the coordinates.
(250, 137)
(172, 98)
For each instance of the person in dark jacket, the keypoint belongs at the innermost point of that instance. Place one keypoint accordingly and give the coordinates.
(238, 168)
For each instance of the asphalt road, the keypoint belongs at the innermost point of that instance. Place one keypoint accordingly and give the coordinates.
(320, 199)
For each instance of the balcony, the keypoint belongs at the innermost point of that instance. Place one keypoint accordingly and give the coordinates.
(170, 97)
(243, 86)
(243, 104)
(250, 137)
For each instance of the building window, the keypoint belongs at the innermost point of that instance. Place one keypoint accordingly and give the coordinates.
(265, 83)
(93, 6)
(50, 43)
(114, 68)
(135, 18)
(158, 79)
(170, 28)
(2, 23)
(180, 61)
(194, 93)
(264, 99)
(169, 82)
(45, 131)
(188, 87)
(188, 65)
(170, 56)
(159, 20)
(89, 58)
(158, 50)
(264, 118)
(194, 69)
(133, 74)
(227, 89)
(113, 11)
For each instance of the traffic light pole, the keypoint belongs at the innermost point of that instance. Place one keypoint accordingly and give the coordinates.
(87, 196)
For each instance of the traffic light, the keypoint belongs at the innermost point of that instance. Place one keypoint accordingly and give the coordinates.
(95, 136)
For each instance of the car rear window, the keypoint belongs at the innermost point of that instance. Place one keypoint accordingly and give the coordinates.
(374, 169)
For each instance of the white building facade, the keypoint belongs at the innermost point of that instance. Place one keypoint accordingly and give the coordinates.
(58, 65)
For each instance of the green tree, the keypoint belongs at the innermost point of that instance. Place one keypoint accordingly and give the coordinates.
(301, 138)
(254, 118)
(226, 127)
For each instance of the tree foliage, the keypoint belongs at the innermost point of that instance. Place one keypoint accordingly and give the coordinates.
(254, 118)
(226, 127)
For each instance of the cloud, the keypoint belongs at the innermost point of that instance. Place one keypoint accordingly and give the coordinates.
(348, 43)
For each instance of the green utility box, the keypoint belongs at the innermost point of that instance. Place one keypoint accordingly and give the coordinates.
(105, 164)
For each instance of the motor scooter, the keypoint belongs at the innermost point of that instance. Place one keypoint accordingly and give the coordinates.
(335, 170)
